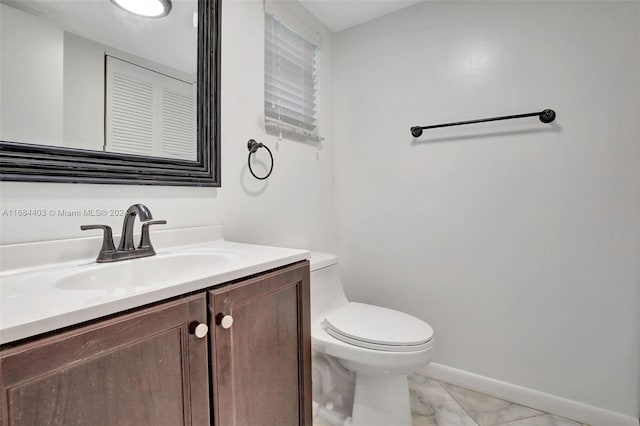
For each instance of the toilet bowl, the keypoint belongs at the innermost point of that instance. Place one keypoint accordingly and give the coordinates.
(380, 346)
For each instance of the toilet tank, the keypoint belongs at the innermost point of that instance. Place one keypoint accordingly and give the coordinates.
(327, 293)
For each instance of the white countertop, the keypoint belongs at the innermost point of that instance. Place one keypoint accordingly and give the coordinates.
(32, 301)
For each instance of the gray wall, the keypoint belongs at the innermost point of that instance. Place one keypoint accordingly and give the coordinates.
(517, 241)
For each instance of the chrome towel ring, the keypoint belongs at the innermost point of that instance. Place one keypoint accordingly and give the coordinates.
(253, 146)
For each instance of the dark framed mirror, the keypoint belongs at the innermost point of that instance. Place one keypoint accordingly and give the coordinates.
(158, 120)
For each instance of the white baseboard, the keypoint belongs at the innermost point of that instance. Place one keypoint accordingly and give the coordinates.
(562, 407)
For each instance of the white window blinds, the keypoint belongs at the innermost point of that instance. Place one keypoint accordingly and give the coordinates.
(290, 81)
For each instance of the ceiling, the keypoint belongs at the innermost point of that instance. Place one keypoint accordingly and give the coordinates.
(171, 40)
(338, 15)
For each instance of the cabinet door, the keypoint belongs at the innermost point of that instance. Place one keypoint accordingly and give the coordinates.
(262, 362)
(143, 368)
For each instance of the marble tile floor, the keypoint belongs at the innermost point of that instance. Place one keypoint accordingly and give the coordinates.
(436, 403)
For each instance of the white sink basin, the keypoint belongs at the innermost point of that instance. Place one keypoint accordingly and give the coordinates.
(138, 274)
(46, 286)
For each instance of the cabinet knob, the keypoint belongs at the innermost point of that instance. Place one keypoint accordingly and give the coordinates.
(226, 321)
(200, 330)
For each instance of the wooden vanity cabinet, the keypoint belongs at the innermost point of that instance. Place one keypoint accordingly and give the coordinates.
(148, 367)
(143, 368)
(261, 350)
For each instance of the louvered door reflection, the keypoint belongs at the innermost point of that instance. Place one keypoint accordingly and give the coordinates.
(148, 112)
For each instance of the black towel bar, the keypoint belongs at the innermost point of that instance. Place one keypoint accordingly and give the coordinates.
(546, 116)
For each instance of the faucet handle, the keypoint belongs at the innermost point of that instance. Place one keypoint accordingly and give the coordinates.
(107, 240)
(145, 240)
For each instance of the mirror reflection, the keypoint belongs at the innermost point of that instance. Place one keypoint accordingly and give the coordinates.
(92, 75)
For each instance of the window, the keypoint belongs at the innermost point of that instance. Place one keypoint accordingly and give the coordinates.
(290, 82)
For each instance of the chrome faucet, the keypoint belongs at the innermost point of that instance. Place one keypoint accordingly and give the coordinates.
(127, 249)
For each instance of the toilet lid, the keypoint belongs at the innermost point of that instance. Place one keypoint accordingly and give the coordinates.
(376, 327)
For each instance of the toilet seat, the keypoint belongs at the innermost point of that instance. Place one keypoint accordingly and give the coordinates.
(378, 328)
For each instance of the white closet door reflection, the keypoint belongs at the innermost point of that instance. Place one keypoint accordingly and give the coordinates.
(149, 112)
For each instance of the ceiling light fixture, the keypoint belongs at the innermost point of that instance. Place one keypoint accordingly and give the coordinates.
(147, 8)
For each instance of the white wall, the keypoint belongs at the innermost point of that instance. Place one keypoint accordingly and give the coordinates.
(518, 241)
(83, 92)
(292, 208)
(30, 78)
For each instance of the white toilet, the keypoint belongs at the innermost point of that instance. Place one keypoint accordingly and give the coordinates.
(380, 346)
